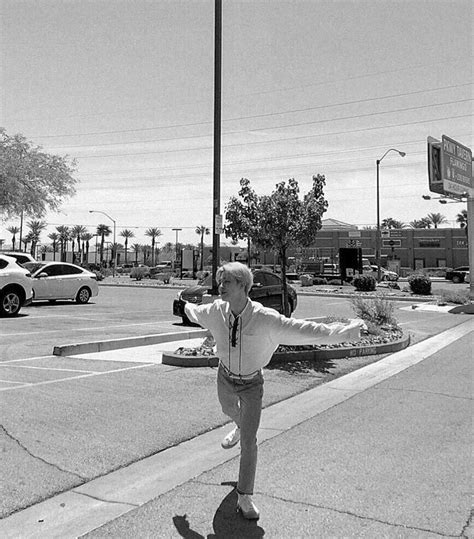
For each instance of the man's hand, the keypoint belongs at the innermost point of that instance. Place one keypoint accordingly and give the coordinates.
(354, 328)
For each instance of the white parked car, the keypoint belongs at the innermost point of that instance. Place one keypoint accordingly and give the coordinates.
(385, 274)
(60, 280)
(19, 256)
(16, 286)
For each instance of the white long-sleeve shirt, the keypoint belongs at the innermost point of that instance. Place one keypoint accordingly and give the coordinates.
(247, 342)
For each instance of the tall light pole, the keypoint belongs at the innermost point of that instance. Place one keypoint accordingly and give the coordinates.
(378, 239)
(177, 230)
(115, 244)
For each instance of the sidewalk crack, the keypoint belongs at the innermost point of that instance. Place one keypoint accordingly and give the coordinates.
(463, 533)
(24, 448)
(355, 515)
(423, 391)
(128, 504)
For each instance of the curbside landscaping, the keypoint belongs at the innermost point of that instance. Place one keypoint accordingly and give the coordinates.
(317, 354)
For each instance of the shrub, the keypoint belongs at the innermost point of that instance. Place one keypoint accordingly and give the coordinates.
(306, 280)
(451, 296)
(334, 282)
(364, 283)
(420, 284)
(377, 311)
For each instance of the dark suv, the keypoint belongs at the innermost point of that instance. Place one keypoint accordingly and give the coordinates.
(457, 275)
(267, 289)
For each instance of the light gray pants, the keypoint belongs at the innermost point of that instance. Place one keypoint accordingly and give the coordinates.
(241, 400)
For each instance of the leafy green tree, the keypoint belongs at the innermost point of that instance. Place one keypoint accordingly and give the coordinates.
(202, 230)
(437, 219)
(280, 220)
(32, 181)
(127, 234)
(243, 216)
(13, 231)
(153, 233)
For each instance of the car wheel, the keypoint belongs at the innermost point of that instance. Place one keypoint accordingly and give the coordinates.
(83, 295)
(457, 279)
(10, 303)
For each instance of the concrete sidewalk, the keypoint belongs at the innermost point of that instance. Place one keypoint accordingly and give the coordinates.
(381, 452)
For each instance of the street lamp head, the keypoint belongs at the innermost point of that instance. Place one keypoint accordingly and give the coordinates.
(426, 197)
(402, 154)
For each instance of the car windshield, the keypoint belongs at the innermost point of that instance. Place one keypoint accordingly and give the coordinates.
(33, 266)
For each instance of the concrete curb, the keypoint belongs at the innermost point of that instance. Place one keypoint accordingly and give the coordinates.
(127, 342)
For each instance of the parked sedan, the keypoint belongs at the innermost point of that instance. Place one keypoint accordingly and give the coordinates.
(385, 274)
(60, 280)
(15, 286)
(267, 289)
(457, 275)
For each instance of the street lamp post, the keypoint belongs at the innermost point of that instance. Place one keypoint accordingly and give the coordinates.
(378, 239)
(115, 244)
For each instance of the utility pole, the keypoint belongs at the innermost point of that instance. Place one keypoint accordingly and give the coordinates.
(216, 206)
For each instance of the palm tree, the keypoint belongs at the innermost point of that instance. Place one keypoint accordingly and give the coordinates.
(136, 248)
(103, 231)
(461, 218)
(54, 237)
(153, 233)
(64, 237)
(86, 238)
(437, 219)
(36, 227)
(14, 231)
(390, 223)
(424, 222)
(127, 234)
(201, 230)
(76, 232)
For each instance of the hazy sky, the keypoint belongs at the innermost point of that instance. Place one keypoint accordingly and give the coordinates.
(309, 86)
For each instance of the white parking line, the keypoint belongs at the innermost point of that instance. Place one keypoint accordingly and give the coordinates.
(70, 378)
(87, 328)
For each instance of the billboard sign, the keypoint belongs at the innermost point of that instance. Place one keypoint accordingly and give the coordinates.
(456, 168)
(434, 166)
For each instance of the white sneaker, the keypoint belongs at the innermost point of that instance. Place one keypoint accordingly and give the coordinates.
(233, 438)
(246, 506)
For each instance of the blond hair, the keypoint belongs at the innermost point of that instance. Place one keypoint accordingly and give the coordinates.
(239, 272)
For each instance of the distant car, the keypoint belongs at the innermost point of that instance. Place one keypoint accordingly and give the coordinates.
(439, 272)
(16, 286)
(385, 274)
(467, 277)
(60, 280)
(19, 256)
(457, 275)
(124, 268)
(267, 289)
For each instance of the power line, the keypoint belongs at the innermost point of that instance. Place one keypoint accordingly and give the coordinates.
(279, 113)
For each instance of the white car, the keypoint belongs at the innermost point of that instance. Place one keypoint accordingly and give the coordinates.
(60, 280)
(385, 274)
(16, 286)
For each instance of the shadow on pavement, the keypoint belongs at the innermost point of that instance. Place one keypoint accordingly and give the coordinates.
(227, 522)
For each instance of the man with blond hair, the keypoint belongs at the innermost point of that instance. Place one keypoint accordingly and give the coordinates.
(246, 335)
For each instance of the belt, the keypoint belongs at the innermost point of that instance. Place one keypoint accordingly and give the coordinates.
(234, 376)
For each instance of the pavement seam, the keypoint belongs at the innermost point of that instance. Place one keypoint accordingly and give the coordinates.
(102, 500)
(401, 389)
(36, 457)
(352, 514)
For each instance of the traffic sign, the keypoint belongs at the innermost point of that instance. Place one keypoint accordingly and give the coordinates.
(434, 166)
(456, 168)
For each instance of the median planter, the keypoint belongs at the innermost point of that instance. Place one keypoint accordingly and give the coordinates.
(203, 356)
